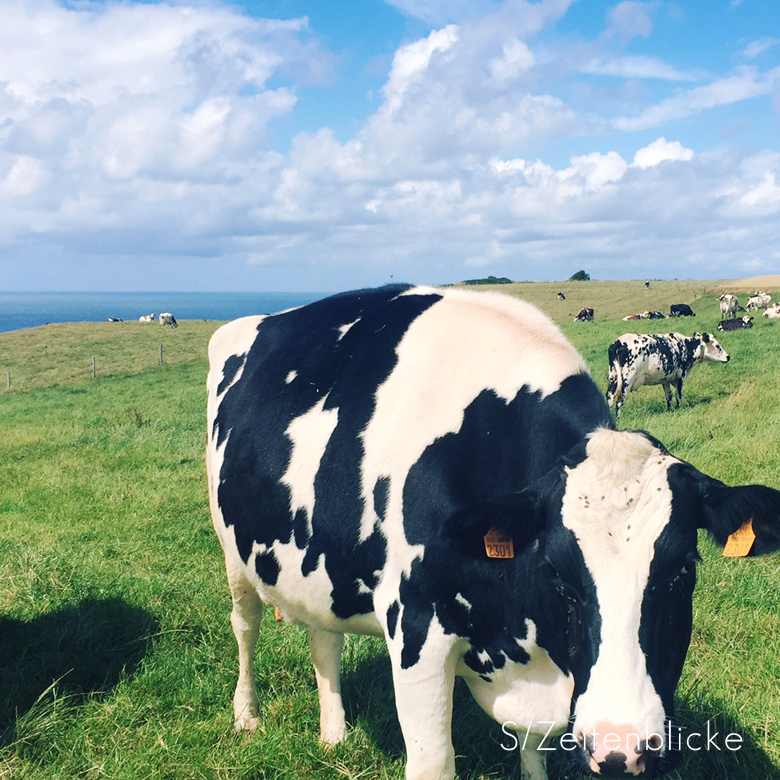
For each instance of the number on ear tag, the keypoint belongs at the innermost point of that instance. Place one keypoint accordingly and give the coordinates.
(741, 541)
(498, 544)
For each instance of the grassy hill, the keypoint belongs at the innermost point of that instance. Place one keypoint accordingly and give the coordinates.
(117, 659)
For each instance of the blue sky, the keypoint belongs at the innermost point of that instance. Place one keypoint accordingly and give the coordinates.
(291, 145)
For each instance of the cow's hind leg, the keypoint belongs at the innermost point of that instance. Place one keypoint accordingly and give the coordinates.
(668, 394)
(679, 388)
(326, 657)
(245, 619)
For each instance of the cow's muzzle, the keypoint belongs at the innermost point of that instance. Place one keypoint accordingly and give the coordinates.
(618, 751)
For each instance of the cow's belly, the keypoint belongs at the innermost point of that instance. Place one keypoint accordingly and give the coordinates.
(305, 600)
(652, 374)
(535, 696)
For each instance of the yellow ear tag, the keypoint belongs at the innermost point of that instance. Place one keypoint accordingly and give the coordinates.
(740, 542)
(498, 544)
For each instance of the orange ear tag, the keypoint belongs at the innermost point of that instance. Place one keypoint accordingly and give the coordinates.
(740, 542)
(498, 544)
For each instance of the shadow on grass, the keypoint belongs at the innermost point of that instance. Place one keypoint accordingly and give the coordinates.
(478, 740)
(85, 649)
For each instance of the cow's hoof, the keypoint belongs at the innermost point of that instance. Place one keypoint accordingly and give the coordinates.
(335, 738)
(247, 723)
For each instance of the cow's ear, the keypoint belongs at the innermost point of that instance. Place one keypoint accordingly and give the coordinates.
(728, 509)
(518, 516)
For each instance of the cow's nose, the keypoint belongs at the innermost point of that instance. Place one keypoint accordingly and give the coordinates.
(620, 751)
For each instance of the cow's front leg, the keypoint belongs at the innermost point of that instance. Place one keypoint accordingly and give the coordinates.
(533, 764)
(423, 695)
(679, 392)
(326, 657)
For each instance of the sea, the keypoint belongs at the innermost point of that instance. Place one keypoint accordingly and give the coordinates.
(32, 309)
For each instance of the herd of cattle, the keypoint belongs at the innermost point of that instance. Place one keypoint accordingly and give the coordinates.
(437, 467)
(637, 359)
(166, 318)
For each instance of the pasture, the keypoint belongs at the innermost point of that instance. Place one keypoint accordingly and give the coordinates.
(116, 655)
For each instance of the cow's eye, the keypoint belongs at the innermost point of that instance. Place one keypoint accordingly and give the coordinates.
(687, 568)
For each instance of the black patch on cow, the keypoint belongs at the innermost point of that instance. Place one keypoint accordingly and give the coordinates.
(301, 528)
(344, 367)
(392, 618)
(497, 450)
(381, 492)
(267, 567)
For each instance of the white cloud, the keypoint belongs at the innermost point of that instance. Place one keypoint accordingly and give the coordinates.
(742, 84)
(631, 67)
(660, 151)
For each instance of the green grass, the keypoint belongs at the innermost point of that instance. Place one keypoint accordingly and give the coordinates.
(116, 655)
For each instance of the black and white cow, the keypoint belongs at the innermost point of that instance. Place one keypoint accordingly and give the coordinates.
(740, 323)
(584, 315)
(758, 301)
(638, 359)
(361, 448)
(681, 310)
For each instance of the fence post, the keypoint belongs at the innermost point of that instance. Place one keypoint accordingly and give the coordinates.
(94, 368)
(161, 354)
(8, 376)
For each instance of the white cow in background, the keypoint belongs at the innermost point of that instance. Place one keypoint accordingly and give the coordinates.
(728, 305)
(146, 318)
(166, 318)
(758, 301)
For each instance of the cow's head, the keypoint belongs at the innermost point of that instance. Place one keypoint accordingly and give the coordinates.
(710, 349)
(618, 534)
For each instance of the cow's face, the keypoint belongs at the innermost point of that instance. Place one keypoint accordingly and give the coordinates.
(623, 553)
(711, 350)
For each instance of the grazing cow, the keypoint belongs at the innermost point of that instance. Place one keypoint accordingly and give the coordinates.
(728, 305)
(637, 359)
(166, 318)
(647, 284)
(772, 312)
(758, 301)
(114, 319)
(584, 315)
(561, 296)
(680, 310)
(740, 323)
(437, 467)
(146, 318)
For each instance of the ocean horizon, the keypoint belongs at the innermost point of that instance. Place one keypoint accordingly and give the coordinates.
(20, 310)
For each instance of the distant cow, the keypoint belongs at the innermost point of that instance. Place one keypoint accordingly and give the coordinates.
(758, 301)
(584, 315)
(638, 359)
(728, 305)
(114, 319)
(146, 318)
(166, 318)
(438, 468)
(561, 296)
(772, 312)
(740, 323)
(647, 284)
(680, 310)
(646, 315)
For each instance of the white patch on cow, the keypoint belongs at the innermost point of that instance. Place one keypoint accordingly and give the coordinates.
(461, 600)
(617, 503)
(309, 434)
(535, 693)
(344, 328)
(290, 377)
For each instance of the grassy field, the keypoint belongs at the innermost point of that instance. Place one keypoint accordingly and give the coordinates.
(116, 655)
